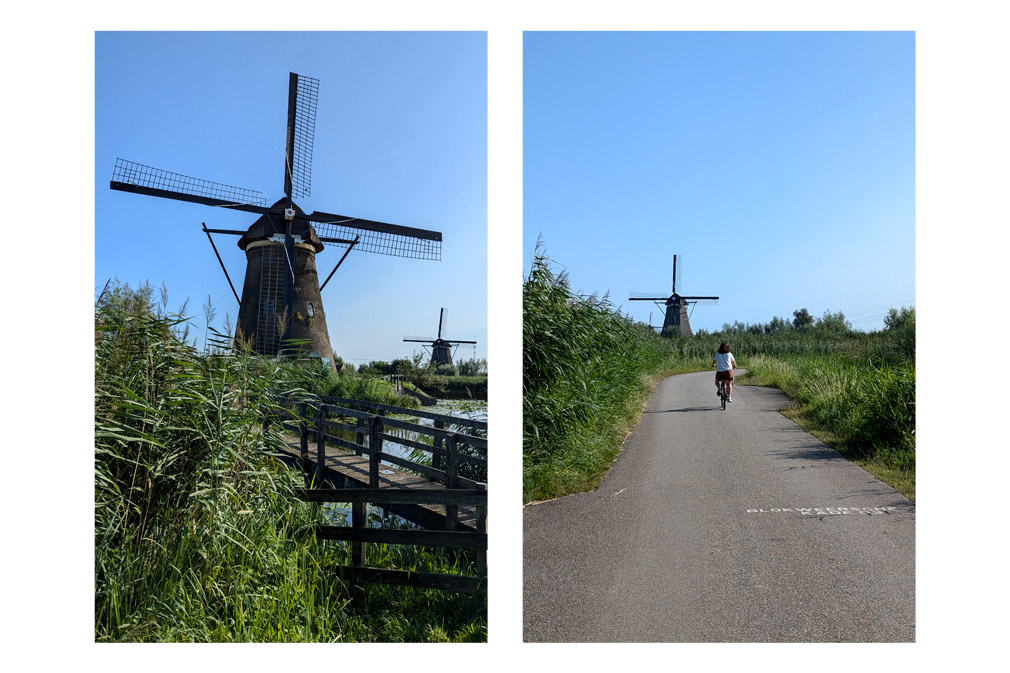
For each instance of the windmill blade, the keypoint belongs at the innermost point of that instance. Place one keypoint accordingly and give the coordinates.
(703, 298)
(129, 176)
(678, 271)
(441, 321)
(647, 296)
(458, 341)
(422, 340)
(380, 237)
(303, 94)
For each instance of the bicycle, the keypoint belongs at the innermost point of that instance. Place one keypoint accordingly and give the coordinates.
(723, 393)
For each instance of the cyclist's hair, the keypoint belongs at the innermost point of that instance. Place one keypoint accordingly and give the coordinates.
(724, 347)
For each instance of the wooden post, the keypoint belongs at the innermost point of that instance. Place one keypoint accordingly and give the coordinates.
(303, 439)
(320, 443)
(359, 437)
(451, 481)
(359, 514)
(436, 459)
(374, 447)
(481, 526)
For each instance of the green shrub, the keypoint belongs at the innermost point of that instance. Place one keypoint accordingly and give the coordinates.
(360, 387)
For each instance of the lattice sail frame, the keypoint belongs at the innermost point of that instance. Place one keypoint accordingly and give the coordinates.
(132, 173)
(383, 243)
(307, 98)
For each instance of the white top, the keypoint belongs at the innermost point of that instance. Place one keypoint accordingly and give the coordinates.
(723, 362)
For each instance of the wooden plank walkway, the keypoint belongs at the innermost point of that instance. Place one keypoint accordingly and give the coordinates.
(344, 469)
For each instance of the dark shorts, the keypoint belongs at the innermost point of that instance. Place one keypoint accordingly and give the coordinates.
(724, 376)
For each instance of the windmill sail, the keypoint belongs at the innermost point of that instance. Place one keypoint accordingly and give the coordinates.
(375, 237)
(378, 237)
(303, 94)
(129, 176)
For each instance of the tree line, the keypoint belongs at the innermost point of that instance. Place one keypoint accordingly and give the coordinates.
(828, 323)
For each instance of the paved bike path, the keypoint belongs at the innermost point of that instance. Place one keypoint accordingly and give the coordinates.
(722, 526)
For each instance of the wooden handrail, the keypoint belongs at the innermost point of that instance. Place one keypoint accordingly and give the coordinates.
(345, 402)
(386, 496)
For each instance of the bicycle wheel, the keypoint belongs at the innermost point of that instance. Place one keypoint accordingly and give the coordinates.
(723, 396)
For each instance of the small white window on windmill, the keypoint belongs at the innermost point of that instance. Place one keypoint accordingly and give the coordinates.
(312, 312)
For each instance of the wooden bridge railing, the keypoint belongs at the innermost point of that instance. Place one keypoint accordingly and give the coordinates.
(441, 421)
(370, 432)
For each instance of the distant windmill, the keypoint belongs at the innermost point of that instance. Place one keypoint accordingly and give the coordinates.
(655, 327)
(676, 321)
(441, 349)
(281, 297)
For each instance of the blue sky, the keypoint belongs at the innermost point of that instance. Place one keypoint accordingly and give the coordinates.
(778, 166)
(400, 137)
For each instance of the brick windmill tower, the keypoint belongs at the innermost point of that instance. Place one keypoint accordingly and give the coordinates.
(281, 308)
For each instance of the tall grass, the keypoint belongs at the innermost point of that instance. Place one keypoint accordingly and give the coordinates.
(585, 371)
(197, 535)
(867, 410)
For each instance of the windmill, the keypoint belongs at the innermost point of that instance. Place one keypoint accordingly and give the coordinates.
(441, 349)
(281, 296)
(677, 320)
(651, 326)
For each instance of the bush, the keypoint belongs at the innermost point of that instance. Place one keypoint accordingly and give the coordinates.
(472, 367)
(360, 387)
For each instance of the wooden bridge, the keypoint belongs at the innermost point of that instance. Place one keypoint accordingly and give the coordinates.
(446, 498)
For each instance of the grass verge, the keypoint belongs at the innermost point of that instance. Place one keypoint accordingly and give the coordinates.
(865, 412)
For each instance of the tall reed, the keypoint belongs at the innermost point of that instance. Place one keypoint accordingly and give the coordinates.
(584, 370)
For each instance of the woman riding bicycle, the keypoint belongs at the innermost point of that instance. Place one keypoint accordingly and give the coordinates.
(724, 365)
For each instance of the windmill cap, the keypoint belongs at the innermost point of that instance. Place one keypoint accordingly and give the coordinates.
(274, 223)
